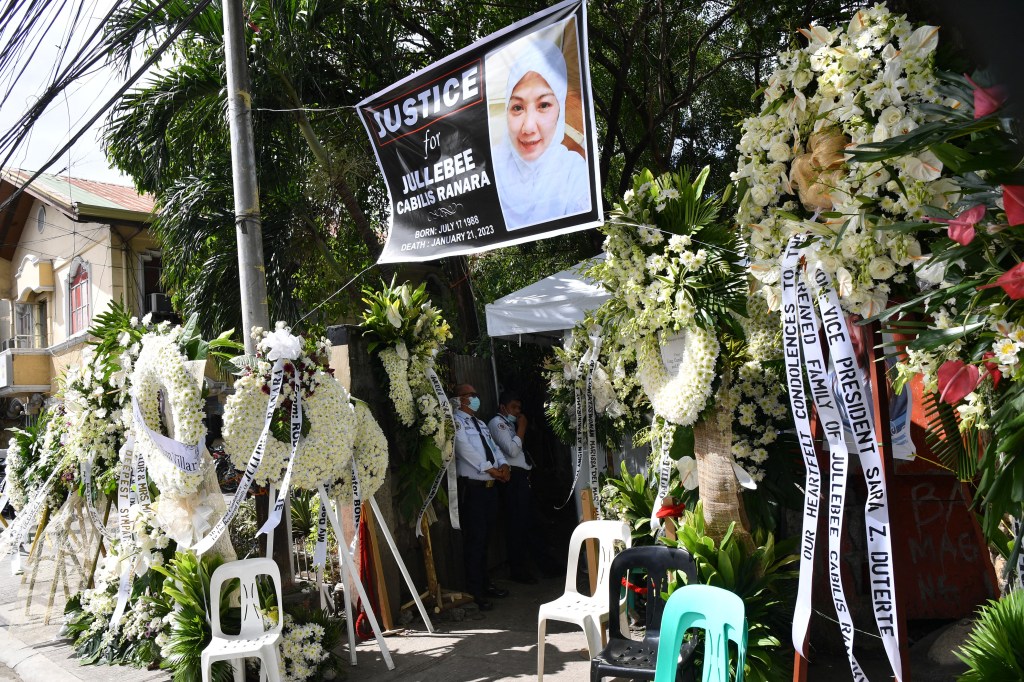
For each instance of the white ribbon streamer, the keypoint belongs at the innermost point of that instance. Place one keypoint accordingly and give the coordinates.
(854, 394)
(90, 500)
(595, 354)
(126, 497)
(187, 458)
(357, 507)
(582, 423)
(276, 381)
(447, 463)
(4, 496)
(800, 329)
(812, 479)
(320, 551)
(274, 518)
(664, 477)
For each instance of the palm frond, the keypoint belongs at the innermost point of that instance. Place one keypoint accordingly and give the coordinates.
(954, 450)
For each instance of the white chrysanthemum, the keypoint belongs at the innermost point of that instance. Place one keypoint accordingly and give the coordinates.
(370, 454)
(301, 650)
(680, 398)
(323, 454)
(162, 367)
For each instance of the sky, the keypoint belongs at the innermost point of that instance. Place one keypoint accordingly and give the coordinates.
(68, 112)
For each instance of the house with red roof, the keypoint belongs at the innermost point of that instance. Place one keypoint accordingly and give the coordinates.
(68, 248)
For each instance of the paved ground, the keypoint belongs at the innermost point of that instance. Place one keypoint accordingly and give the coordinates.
(33, 648)
(498, 645)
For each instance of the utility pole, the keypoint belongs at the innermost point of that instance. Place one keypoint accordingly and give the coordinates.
(252, 276)
(248, 230)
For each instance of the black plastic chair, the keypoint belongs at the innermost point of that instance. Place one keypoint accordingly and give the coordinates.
(636, 660)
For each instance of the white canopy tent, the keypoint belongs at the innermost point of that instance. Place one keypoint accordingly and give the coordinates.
(548, 307)
(544, 312)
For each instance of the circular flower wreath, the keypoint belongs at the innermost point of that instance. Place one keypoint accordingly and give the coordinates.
(324, 453)
(681, 398)
(162, 367)
(370, 453)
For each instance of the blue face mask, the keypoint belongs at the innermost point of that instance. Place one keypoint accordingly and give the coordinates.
(511, 419)
(474, 403)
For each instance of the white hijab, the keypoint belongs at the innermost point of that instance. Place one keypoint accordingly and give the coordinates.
(547, 187)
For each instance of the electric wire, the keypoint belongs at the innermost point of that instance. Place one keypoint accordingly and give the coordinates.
(152, 59)
(343, 287)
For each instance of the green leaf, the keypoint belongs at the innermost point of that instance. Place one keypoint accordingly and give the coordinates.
(682, 443)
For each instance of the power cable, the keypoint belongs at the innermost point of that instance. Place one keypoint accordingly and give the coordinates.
(88, 57)
(152, 59)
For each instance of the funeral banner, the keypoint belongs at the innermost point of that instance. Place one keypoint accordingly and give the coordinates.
(493, 145)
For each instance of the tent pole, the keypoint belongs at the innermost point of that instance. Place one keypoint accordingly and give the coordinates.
(494, 370)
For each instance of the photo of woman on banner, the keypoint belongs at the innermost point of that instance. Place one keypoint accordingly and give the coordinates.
(541, 173)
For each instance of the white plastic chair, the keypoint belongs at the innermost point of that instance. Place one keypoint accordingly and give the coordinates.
(252, 639)
(588, 612)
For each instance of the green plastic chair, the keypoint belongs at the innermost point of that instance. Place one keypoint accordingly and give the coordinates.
(721, 615)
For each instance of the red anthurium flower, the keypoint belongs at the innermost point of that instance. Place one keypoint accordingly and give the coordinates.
(961, 228)
(956, 380)
(993, 369)
(987, 100)
(1012, 282)
(1013, 203)
(671, 511)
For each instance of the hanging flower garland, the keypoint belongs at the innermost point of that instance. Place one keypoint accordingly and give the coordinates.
(862, 84)
(396, 364)
(370, 454)
(406, 331)
(325, 449)
(162, 369)
(409, 331)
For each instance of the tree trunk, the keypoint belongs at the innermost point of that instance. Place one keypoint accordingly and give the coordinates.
(719, 490)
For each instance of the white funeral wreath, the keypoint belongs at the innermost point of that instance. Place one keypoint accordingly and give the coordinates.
(162, 367)
(324, 454)
(370, 454)
(679, 396)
